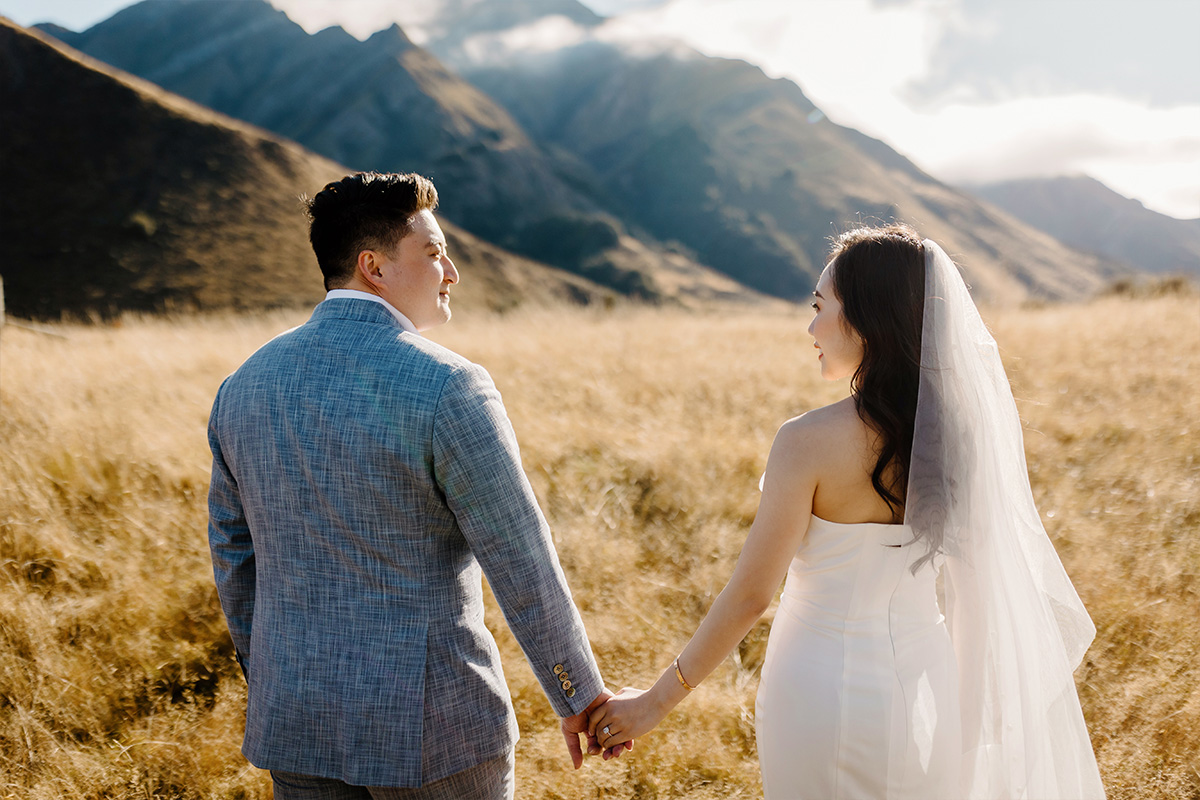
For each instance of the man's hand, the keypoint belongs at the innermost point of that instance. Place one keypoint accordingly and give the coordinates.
(631, 713)
(573, 726)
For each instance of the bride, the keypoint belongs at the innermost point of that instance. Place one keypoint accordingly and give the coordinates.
(880, 680)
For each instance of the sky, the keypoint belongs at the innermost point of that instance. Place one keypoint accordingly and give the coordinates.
(970, 90)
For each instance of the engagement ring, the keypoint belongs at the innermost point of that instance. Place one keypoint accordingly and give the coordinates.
(605, 729)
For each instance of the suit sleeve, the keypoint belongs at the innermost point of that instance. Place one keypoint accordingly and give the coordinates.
(230, 544)
(478, 466)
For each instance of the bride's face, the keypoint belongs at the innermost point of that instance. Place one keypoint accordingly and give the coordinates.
(839, 346)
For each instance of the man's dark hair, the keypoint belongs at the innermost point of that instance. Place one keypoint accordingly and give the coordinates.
(364, 211)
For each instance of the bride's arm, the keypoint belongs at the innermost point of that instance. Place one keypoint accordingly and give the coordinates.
(778, 529)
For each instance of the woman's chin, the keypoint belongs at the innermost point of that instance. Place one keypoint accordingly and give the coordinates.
(831, 375)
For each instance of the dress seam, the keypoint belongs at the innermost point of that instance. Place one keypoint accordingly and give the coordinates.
(898, 682)
(842, 709)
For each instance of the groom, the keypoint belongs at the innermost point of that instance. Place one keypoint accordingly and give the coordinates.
(362, 477)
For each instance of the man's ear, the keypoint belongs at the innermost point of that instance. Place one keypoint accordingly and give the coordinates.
(369, 263)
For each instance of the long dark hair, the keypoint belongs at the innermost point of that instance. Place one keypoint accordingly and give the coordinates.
(879, 278)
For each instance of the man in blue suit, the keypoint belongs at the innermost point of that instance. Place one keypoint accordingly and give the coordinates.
(362, 478)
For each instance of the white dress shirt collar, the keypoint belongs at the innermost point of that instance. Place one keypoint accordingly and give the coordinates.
(355, 294)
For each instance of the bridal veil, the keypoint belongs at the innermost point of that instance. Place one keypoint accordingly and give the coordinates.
(1018, 627)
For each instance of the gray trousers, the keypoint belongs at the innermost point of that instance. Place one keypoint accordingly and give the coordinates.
(491, 780)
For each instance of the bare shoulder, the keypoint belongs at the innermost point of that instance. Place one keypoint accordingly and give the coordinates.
(810, 445)
(821, 426)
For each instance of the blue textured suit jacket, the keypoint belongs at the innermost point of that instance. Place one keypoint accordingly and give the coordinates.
(362, 475)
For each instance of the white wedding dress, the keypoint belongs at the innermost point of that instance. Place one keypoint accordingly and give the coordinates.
(858, 696)
(866, 692)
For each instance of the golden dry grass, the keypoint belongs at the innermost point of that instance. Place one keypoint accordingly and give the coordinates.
(644, 434)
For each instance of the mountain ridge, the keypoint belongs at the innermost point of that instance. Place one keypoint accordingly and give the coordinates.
(383, 104)
(170, 205)
(1084, 213)
(248, 60)
(731, 163)
(656, 160)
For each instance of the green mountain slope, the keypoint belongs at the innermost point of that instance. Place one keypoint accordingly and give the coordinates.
(747, 173)
(384, 104)
(653, 170)
(116, 195)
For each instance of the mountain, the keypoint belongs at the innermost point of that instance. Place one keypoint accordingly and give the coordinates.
(388, 105)
(649, 168)
(380, 104)
(116, 195)
(1084, 213)
(457, 29)
(746, 173)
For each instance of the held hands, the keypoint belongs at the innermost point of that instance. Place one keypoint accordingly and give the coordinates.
(612, 722)
(631, 713)
(573, 726)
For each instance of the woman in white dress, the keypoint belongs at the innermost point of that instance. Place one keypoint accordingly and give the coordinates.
(869, 690)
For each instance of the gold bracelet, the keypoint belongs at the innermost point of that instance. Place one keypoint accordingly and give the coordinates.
(679, 675)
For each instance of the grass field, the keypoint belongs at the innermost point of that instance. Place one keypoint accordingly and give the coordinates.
(644, 433)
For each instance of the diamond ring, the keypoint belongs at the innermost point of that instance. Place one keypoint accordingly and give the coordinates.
(605, 730)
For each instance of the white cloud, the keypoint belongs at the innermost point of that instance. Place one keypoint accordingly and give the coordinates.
(361, 18)
(611, 7)
(847, 55)
(542, 36)
(1068, 133)
(858, 61)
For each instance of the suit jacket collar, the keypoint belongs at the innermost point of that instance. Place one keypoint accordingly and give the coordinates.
(355, 310)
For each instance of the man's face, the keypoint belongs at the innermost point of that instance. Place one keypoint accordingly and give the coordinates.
(418, 273)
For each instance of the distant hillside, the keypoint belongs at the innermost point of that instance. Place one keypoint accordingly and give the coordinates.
(1086, 214)
(385, 104)
(656, 171)
(116, 195)
(747, 173)
(380, 104)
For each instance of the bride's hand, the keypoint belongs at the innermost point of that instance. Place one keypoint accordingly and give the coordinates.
(623, 718)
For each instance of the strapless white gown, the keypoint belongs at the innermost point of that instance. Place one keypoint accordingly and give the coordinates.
(858, 697)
